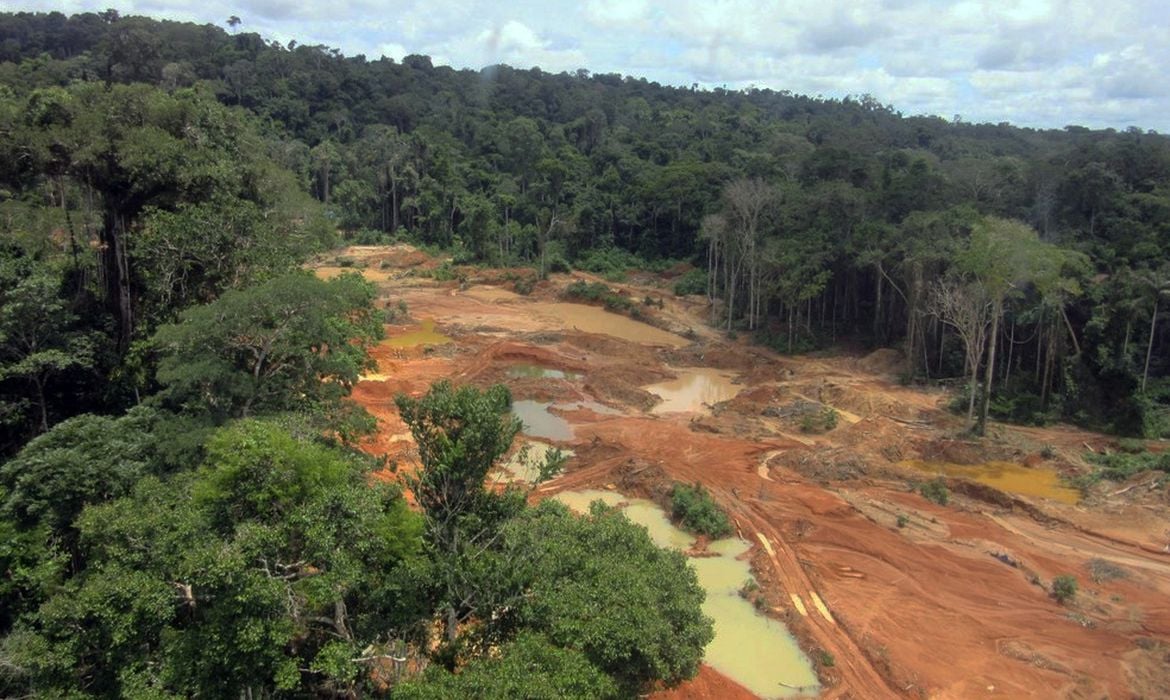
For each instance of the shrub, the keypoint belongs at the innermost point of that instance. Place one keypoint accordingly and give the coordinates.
(1102, 570)
(524, 285)
(903, 521)
(693, 508)
(693, 282)
(936, 490)
(1121, 466)
(1064, 588)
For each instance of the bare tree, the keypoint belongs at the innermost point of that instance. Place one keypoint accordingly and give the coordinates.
(746, 205)
(966, 307)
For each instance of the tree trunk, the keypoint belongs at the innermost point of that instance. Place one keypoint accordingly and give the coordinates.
(989, 376)
(116, 273)
(1150, 346)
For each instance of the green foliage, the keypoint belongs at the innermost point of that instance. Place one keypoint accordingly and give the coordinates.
(84, 460)
(1064, 588)
(528, 667)
(597, 292)
(610, 261)
(694, 281)
(693, 508)
(265, 560)
(461, 433)
(291, 342)
(650, 628)
(935, 490)
(902, 520)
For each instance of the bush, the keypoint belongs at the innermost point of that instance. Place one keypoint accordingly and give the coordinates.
(598, 292)
(1064, 588)
(693, 508)
(935, 490)
(693, 282)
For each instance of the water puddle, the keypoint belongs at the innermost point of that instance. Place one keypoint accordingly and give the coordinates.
(754, 651)
(591, 319)
(538, 422)
(523, 371)
(425, 335)
(693, 390)
(1005, 476)
(523, 466)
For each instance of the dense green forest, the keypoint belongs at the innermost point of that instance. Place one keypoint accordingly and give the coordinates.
(171, 518)
(183, 512)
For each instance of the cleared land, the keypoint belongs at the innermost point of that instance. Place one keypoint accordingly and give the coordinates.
(890, 594)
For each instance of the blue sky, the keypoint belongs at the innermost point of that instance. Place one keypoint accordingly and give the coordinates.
(1042, 63)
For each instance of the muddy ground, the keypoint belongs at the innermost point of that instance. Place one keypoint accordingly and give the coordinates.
(890, 594)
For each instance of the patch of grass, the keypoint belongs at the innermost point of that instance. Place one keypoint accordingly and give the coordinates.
(936, 490)
(695, 511)
(819, 421)
(1064, 588)
(903, 521)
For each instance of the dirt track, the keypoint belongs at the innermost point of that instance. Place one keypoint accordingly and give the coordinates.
(891, 595)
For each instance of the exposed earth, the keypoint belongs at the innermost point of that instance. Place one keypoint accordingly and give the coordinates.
(889, 594)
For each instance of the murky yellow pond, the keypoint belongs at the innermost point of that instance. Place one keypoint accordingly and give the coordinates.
(755, 651)
(1005, 476)
(693, 390)
(591, 319)
(425, 335)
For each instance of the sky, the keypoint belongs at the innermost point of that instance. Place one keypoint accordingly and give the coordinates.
(1038, 63)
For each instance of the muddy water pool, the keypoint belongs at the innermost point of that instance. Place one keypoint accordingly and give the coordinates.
(523, 371)
(591, 319)
(539, 422)
(693, 390)
(1005, 476)
(754, 651)
(425, 335)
